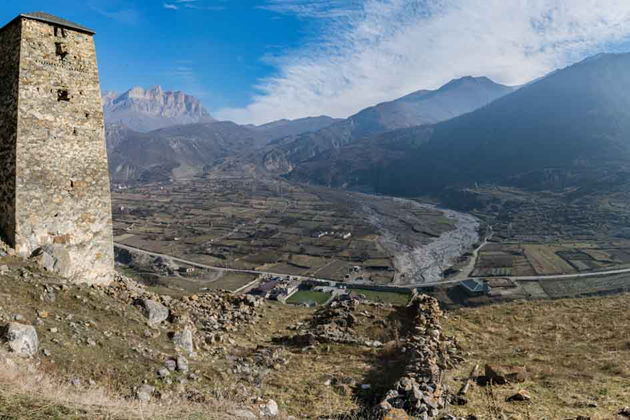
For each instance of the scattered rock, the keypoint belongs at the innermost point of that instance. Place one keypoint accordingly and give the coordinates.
(170, 364)
(154, 311)
(521, 395)
(21, 338)
(269, 409)
(145, 392)
(163, 372)
(54, 258)
(501, 375)
(623, 413)
(184, 340)
(181, 364)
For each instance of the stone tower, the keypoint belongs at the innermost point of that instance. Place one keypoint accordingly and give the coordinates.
(54, 184)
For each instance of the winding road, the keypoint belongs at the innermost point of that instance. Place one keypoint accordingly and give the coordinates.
(402, 286)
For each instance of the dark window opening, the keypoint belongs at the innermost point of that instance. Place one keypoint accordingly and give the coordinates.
(60, 50)
(60, 32)
(87, 115)
(74, 132)
(63, 95)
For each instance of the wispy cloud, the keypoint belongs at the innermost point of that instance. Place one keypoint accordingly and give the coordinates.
(326, 9)
(191, 4)
(370, 51)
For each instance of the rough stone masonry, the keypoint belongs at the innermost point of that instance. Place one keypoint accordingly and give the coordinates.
(54, 184)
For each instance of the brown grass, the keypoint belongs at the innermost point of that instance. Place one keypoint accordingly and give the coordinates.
(28, 393)
(577, 351)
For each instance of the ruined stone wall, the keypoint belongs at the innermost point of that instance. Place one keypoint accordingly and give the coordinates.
(10, 52)
(62, 185)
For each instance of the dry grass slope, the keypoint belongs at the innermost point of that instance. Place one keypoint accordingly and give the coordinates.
(577, 351)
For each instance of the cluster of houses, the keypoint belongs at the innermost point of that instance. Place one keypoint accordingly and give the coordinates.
(276, 288)
(339, 235)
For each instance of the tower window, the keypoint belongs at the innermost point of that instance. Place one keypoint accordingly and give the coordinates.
(60, 32)
(60, 50)
(63, 95)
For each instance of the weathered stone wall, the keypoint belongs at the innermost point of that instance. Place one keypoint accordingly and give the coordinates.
(62, 196)
(10, 53)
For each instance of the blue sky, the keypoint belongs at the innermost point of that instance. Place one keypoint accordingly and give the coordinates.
(214, 49)
(262, 60)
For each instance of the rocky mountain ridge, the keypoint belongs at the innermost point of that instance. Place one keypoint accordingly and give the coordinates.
(150, 109)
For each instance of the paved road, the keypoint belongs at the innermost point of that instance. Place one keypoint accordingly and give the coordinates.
(533, 278)
(402, 286)
(212, 267)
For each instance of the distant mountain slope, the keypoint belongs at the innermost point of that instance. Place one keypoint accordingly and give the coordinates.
(147, 110)
(175, 152)
(283, 128)
(187, 150)
(567, 130)
(422, 107)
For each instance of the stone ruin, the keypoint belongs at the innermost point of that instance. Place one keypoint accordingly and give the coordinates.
(54, 187)
(420, 391)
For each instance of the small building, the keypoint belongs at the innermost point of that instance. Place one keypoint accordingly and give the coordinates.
(475, 287)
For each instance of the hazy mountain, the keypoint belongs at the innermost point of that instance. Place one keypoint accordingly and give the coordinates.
(570, 129)
(422, 107)
(283, 128)
(146, 110)
(175, 152)
(182, 151)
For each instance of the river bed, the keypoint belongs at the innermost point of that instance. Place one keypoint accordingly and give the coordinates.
(420, 260)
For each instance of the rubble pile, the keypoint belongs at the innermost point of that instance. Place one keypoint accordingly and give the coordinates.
(255, 367)
(331, 324)
(210, 315)
(420, 391)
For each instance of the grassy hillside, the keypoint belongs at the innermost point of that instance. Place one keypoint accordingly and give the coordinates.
(577, 352)
(96, 348)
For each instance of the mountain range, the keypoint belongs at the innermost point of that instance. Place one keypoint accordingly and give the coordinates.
(567, 130)
(189, 142)
(419, 108)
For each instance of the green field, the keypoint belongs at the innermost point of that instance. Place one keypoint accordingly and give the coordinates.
(395, 298)
(309, 297)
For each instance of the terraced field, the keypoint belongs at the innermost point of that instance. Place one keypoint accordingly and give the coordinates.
(269, 225)
(531, 259)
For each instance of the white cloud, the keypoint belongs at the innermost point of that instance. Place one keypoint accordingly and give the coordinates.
(375, 50)
(170, 6)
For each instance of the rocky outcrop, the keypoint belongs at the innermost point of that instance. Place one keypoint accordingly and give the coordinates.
(155, 312)
(22, 339)
(420, 391)
(151, 109)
